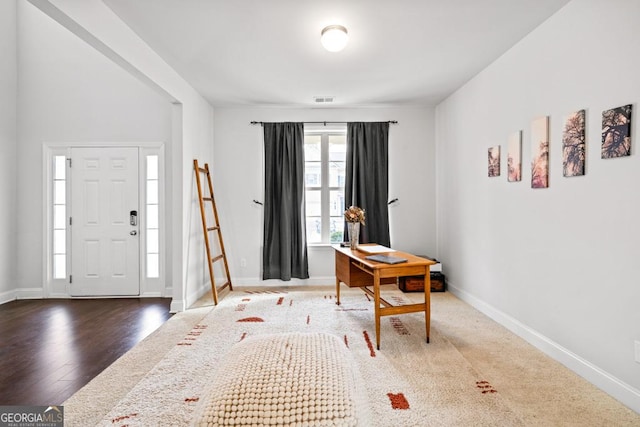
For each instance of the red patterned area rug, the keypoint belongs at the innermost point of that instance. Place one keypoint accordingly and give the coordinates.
(406, 383)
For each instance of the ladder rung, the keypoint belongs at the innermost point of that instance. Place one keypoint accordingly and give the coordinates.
(202, 170)
(217, 258)
(207, 199)
(224, 286)
(213, 228)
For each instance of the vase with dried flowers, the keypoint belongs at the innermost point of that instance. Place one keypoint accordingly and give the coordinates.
(354, 217)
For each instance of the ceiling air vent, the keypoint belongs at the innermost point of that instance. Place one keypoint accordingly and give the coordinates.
(323, 99)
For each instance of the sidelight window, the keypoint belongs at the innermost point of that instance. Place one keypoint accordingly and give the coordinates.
(59, 217)
(153, 218)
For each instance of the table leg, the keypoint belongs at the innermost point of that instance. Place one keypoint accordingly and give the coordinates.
(376, 302)
(427, 301)
(337, 291)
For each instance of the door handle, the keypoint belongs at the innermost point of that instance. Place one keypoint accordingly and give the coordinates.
(133, 232)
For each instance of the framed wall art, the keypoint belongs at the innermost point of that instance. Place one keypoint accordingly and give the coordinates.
(616, 132)
(540, 152)
(573, 144)
(514, 157)
(494, 161)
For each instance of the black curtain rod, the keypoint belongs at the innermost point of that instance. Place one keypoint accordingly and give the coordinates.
(393, 122)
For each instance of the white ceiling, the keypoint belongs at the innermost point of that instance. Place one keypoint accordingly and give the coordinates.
(268, 53)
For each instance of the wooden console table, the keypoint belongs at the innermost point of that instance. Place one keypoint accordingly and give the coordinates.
(354, 270)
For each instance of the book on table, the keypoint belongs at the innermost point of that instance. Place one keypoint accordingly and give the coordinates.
(375, 249)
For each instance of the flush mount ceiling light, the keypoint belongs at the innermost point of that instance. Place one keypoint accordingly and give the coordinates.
(334, 38)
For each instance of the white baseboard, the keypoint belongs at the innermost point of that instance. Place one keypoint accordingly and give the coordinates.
(38, 293)
(193, 296)
(8, 296)
(176, 306)
(29, 293)
(628, 395)
(255, 281)
(168, 292)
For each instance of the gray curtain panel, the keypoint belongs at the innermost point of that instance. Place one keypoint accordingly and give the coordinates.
(367, 178)
(285, 240)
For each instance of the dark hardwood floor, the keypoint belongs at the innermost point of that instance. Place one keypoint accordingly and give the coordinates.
(50, 348)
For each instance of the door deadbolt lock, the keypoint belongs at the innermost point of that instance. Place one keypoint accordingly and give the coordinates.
(133, 232)
(133, 218)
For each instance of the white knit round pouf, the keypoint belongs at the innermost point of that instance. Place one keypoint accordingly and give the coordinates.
(283, 380)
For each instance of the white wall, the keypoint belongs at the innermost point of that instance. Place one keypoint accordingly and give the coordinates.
(238, 180)
(191, 118)
(70, 93)
(8, 136)
(558, 265)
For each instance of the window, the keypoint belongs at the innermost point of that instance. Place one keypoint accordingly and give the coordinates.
(152, 223)
(325, 160)
(59, 217)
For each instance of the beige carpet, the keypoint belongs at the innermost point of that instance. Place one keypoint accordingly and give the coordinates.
(473, 373)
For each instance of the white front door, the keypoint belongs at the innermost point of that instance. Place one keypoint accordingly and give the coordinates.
(104, 222)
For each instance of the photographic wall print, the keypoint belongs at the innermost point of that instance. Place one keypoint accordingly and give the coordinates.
(494, 161)
(573, 144)
(514, 157)
(616, 132)
(540, 152)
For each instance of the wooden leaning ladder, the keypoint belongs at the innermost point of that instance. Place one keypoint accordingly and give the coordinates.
(209, 228)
